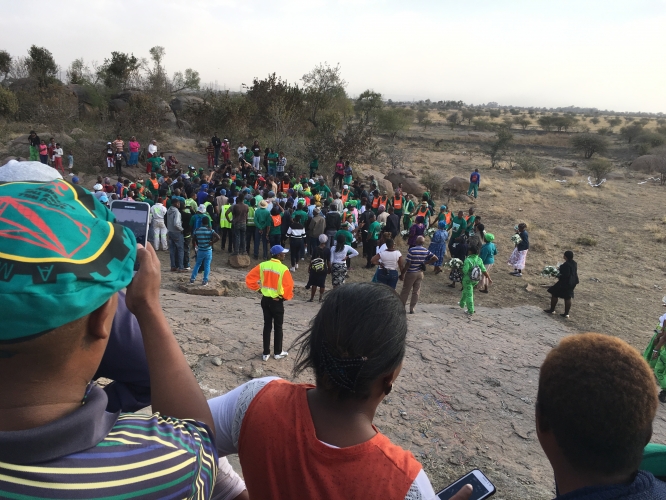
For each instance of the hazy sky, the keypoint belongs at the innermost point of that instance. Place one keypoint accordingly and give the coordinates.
(527, 53)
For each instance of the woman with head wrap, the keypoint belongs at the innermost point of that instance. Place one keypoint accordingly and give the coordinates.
(438, 245)
(487, 254)
(415, 231)
(320, 266)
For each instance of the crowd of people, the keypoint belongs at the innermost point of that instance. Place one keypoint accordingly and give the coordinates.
(293, 440)
(61, 435)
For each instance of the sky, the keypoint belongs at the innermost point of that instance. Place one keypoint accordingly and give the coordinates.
(586, 53)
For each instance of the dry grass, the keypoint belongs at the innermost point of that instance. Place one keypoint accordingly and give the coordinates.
(571, 193)
(656, 232)
(612, 230)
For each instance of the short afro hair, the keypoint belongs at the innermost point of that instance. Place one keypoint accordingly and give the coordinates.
(598, 397)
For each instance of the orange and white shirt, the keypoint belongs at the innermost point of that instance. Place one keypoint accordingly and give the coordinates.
(267, 421)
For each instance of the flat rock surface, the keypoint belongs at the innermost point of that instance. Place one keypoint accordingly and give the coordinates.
(464, 399)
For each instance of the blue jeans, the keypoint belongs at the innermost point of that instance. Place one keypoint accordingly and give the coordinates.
(203, 257)
(239, 231)
(176, 249)
(389, 278)
(275, 239)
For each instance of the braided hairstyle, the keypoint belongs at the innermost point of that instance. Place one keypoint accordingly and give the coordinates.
(357, 337)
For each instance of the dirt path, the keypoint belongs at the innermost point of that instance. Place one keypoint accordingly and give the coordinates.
(464, 399)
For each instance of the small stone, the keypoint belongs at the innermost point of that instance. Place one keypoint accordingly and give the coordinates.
(492, 382)
(216, 361)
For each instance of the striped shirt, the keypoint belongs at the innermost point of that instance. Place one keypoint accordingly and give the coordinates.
(203, 235)
(136, 456)
(417, 256)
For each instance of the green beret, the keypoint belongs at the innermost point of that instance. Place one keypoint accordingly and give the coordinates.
(62, 256)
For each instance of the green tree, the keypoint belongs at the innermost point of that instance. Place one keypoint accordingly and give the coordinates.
(453, 120)
(322, 86)
(594, 120)
(600, 168)
(41, 65)
(426, 123)
(630, 132)
(8, 103)
(469, 115)
(367, 105)
(500, 145)
(5, 64)
(522, 121)
(546, 122)
(117, 71)
(392, 121)
(190, 80)
(421, 115)
(589, 144)
(613, 122)
(494, 113)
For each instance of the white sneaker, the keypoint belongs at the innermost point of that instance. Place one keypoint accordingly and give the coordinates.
(296, 266)
(265, 357)
(292, 269)
(281, 355)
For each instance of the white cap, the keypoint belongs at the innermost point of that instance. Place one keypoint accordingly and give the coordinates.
(202, 209)
(345, 187)
(27, 171)
(97, 187)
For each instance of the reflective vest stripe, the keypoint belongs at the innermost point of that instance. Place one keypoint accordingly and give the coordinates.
(270, 273)
(397, 203)
(277, 220)
(375, 202)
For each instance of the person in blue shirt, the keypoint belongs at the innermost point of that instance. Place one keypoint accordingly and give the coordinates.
(487, 254)
(474, 182)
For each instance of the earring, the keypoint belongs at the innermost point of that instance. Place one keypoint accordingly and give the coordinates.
(388, 390)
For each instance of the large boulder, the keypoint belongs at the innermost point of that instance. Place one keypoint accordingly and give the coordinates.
(565, 171)
(117, 105)
(648, 163)
(455, 185)
(182, 102)
(81, 92)
(410, 183)
(384, 185)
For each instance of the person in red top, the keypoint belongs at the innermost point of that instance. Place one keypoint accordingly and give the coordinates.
(339, 172)
(318, 442)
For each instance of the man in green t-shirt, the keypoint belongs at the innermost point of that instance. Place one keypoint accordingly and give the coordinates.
(300, 214)
(374, 229)
(457, 227)
(473, 260)
(324, 190)
(407, 217)
(262, 224)
(156, 163)
(314, 166)
(272, 162)
(344, 229)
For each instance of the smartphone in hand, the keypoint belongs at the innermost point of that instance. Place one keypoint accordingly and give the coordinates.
(135, 216)
(483, 488)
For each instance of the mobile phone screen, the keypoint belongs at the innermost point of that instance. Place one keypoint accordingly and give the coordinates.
(480, 490)
(135, 219)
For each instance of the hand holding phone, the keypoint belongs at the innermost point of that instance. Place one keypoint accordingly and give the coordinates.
(460, 489)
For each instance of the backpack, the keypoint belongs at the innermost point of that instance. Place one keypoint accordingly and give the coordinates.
(475, 273)
(317, 265)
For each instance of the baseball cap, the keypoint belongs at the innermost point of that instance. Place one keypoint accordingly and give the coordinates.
(278, 249)
(104, 198)
(75, 180)
(97, 187)
(65, 256)
(345, 186)
(202, 209)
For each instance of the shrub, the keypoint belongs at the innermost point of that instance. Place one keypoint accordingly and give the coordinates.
(653, 139)
(586, 241)
(604, 131)
(8, 103)
(433, 182)
(530, 165)
(630, 132)
(589, 144)
(594, 120)
(481, 124)
(599, 168)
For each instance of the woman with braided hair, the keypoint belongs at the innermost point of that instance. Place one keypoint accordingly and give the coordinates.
(318, 441)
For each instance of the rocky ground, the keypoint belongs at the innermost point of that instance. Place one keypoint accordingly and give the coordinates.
(464, 399)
